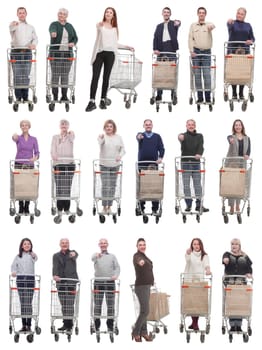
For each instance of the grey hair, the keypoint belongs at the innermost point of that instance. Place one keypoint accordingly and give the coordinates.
(243, 9)
(25, 121)
(63, 10)
(64, 121)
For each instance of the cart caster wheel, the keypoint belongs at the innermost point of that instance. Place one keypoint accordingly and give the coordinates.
(128, 104)
(137, 212)
(152, 100)
(249, 331)
(176, 209)
(16, 338)
(207, 328)
(37, 212)
(184, 218)
(73, 99)
(92, 330)
(251, 98)
(231, 106)
(223, 329)
(72, 219)
(111, 336)
(145, 219)
(76, 331)
(12, 212)
(198, 218)
(213, 100)
(239, 218)
(198, 107)
(165, 330)
(67, 107)
(32, 219)
(108, 101)
(34, 99)
(225, 96)
(79, 212)
(230, 338)
(157, 219)
(51, 107)
(69, 338)
(18, 219)
(53, 211)
(98, 338)
(48, 98)
(52, 329)
(174, 101)
(134, 98)
(191, 100)
(30, 338)
(58, 219)
(56, 337)
(10, 330)
(223, 210)
(244, 106)
(118, 211)
(169, 108)
(210, 108)
(116, 331)
(125, 97)
(114, 219)
(225, 219)
(30, 107)
(202, 338)
(157, 107)
(188, 337)
(94, 211)
(245, 338)
(15, 107)
(102, 219)
(10, 99)
(248, 211)
(181, 328)
(157, 330)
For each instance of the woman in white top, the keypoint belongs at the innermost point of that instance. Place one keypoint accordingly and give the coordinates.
(105, 48)
(197, 263)
(111, 151)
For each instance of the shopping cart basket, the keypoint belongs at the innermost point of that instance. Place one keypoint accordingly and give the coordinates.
(24, 185)
(149, 187)
(65, 295)
(65, 174)
(165, 77)
(24, 298)
(21, 75)
(235, 182)
(60, 73)
(190, 185)
(239, 61)
(104, 306)
(195, 302)
(107, 189)
(237, 305)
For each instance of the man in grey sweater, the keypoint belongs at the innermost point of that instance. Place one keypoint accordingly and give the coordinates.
(107, 270)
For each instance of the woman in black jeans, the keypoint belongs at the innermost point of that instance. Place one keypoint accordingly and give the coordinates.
(106, 46)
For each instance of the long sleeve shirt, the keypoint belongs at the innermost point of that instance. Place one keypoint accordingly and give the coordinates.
(144, 274)
(62, 147)
(192, 144)
(240, 31)
(111, 147)
(106, 265)
(196, 265)
(24, 265)
(200, 36)
(238, 264)
(23, 35)
(58, 28)
(150, 147)
(26, 149)
(172, 31)
(64, 265)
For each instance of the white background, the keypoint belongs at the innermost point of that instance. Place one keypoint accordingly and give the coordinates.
(167, 241)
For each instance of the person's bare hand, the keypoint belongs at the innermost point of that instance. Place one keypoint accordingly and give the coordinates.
(226, 261)
(14, 23)
(231, 140)
(181, 137)
(53, 35)
(230, 21)
(189, 251)
(156, 52)
(56, 278)
(101, 136)
(140, 136)
(141, 262)
(72, 254)
(71, 44)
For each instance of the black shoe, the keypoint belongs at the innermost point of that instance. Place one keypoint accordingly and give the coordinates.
(63, 328)
(234, 97)
(233, 329)
(158, 98)
(238, 329)
(64, 99)
(200, 100)
(241, 97)
(28, 328)
(21, 208)
(26, 209)
(19, 99)
(102, 104)
(204, 210)
(91, 106)
(208, 100)
(23, 329)
(188, 208)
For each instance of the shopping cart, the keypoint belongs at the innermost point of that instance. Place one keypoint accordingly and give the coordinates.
(126, 75)
(165, 77)
(202, 79)
(238, 70)
(190, 184)
(107, 188)
(196, 291)
(65, 305)
(237, 305)
(104, 306)
(21, 75)
(158, 309)
(24, 185)
(65, 174)
(60, 73)
(149, 187)
(235, 182)
(24, 298)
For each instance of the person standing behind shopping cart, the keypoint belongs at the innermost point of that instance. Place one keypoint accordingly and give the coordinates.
(24, 40)
(107, 270)
(62, 156)
(23, 268)
(66, 277)
(165, 40)
(237, 263)
(150, 148)
(197, 263)
(111, 152)
(239, 30)
(104, 52)
(27, 153)
(192, 144)
(63, 38)
(239, 146)
(200, 43)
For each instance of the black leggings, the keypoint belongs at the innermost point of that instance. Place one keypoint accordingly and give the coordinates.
(107, 59)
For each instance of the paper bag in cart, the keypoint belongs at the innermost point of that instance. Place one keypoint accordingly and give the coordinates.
(25, 184)
(232, 182)
(158, 306)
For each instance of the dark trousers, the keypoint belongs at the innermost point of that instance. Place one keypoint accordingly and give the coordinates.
(203, 71)
(25, 286)
(63, 180)
(21, 69)
(191, 170)
(105, 289)
(143, 295)
(66, 294)
(60, 68)
(106, 59)
(108, 179)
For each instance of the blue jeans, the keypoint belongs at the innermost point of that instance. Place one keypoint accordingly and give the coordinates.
(191, 171)
(21, 70)
(25, 287)
(202, 73)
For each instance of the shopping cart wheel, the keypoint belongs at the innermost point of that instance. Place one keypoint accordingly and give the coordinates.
(177, 209)
(157, 107)
(32, 219)
(245, 337)
(116, 330)
(169, 107)
(248, 211)
(128, 104)
(16, 338)
(207, 328)
(72, 218)
(174, 101)
(73, 99)
(152, 100)
(17, 219)
(10, 99)
(157, 219)
(94, 211)
(114, 218)
(202, 337)
(37, 212)
(51, 107)
(181, 328)
(102, 219)
(225, 96)
(190, 100)
(10, 329)
(231, 106)
(58, 219)
(56, 337)
(249, 331)
(119, 211)
(79, 211)
(137, 211)
(69, 338)
(251, 98)
(111, 336)
(48, 98)
(92, 329)
(223, 329)
(134, 98)
(198, 218)
(53, 211)
(15, 107)
(52, 329)
(34, 99)
(239, 218)
(198, 107)
(225, 217)
(76, 331)
(108, 101)
(30, 107)
(30, 338)
(188, 337)
(145, 219)
(210, 108)
(230, 338)
(98, 337)
(213, 100)
(125, 97)
(67, 107)
(156, 330)
(11, 211)
(244, 106)
(184, 218)
(165, 330)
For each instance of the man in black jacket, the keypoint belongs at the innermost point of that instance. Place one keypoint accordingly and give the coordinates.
(65, 275)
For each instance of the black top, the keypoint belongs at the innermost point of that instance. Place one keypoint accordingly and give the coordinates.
(192, 144)
(238, 264)
(64, 265)
(158, 36)
(144, 274)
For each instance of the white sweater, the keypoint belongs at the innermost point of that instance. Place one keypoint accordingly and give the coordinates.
(111, 147)
(194, 264)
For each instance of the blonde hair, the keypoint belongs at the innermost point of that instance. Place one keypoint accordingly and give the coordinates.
(237, 241)
(25, 121)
